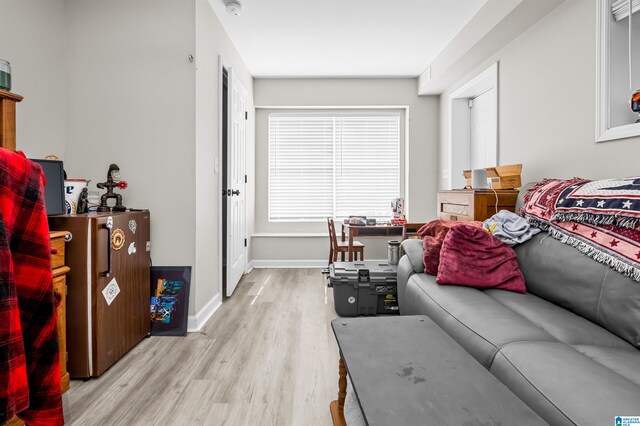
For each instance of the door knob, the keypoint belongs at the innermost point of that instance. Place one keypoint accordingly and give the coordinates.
(236, 192)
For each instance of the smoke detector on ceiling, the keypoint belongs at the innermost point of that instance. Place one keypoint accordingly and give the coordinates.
(234, 7)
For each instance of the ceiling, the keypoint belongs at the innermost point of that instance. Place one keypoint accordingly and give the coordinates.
(343, 38)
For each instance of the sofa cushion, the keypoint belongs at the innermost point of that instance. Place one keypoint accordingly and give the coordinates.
(625, 362)
(564, 386)
(562, 324)
(479, 323)
(566, 277)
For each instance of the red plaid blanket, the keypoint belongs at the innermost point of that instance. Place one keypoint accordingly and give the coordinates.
(30, 367)
(618, 247)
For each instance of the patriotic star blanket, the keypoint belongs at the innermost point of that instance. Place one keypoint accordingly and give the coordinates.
(601, 202)
(610, 243)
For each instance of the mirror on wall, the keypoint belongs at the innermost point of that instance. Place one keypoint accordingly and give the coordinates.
(618, 69)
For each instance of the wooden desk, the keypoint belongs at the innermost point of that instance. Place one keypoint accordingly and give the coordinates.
(418, 376)
(410, 230)
(372, 231)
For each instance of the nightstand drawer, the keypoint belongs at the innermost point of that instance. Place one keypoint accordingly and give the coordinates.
(464, 198)
(474, 204)
(457, 209)
(57, 252)
(455, 217)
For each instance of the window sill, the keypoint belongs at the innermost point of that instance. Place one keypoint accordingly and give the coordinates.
(290, 235)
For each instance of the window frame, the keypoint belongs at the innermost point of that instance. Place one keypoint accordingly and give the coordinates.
(403, 116)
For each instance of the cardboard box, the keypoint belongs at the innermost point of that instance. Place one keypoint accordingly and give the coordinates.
(502, 177)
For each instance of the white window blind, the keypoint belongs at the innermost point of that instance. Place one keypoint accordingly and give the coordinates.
(620, 8)
(333, 164)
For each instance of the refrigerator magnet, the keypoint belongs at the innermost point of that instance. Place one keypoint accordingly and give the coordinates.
(133, 225)
(132, 248)
(117, 239)
(111, 291)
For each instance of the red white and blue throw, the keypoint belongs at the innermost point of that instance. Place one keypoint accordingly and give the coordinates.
(601, 202)
(610, 243)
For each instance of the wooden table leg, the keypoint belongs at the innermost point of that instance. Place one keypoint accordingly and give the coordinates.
(351, 245)
(337, 407)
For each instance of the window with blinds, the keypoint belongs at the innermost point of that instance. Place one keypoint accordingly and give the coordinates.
(620, 8)
(333, 164)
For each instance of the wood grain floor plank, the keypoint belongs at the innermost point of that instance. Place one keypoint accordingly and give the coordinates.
(267, 357)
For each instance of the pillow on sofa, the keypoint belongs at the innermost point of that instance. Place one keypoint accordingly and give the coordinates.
(472, 257)
(433, 235)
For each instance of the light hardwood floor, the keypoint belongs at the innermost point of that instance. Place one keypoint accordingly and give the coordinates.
(267, 357)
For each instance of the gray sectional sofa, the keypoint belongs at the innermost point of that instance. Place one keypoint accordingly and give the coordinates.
(569, 347)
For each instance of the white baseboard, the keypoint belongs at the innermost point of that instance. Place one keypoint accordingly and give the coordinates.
(197, 321)
(261, 264)
(250, 267)
(258, 264)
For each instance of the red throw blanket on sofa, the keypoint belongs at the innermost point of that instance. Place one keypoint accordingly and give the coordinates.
(30, 366)
(472, 257)
(433, 235)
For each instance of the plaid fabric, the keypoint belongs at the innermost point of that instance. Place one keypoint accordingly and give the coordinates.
(26, 232)
(14, 389)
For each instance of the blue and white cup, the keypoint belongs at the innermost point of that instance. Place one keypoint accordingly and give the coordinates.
(72, 190)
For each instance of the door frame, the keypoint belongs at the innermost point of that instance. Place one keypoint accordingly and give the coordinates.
(222, 65)
(460, 123)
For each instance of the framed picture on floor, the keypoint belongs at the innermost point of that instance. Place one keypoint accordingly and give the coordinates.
(170, 300)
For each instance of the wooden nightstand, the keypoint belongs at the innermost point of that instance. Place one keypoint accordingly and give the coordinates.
(474, 204)
(59, 271)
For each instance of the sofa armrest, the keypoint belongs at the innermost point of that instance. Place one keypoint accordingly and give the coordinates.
(413, 249)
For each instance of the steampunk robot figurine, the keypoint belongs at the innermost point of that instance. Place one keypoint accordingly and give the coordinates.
(113, 181)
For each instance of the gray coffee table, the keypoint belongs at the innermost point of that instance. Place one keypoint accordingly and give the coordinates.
(407, 371)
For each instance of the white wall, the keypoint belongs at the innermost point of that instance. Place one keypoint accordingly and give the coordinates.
(132, 102)
(422, 151)
(547, 102)
(212, 41)
(110, 81)
(32, 38)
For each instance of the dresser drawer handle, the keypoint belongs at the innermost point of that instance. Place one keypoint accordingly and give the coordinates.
(452, 217)
(54, 251)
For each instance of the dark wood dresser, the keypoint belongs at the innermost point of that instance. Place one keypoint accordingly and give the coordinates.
(474, 204)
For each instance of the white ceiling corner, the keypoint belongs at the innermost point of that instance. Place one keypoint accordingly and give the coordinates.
(343, 38)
